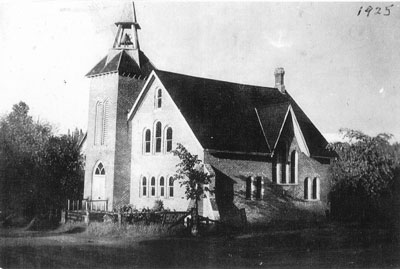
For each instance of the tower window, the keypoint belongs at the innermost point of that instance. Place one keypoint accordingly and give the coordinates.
(158, 137)
(100, 169)
(101, 123)
(169, 140)
(159, 98)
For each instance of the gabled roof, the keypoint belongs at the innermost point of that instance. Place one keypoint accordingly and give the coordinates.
(234, 117)
(123, 64)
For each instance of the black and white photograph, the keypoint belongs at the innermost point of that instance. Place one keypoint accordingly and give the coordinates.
(199, 134)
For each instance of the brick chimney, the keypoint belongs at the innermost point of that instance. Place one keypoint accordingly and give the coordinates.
(279, 79)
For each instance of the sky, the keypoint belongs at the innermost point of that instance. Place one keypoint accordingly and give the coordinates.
(341, 68)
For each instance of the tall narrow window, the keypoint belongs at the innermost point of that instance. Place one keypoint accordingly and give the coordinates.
(147, 141)
(158, 137)
(248, 188)
(282, 161)
(104, 122)
(144, 186)
(169, 139)
(306, 188)
(99, 182)
(153, 186)
(98, 123)
(171, 187)
(258, 187)
(162, 182)
(159, 98)
(315, 189)
(293, 167)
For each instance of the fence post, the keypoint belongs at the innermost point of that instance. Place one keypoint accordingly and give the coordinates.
(86, 218)
(119, 218)
(68, 204)
(63, 216)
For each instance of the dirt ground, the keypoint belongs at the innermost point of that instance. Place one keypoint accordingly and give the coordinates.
(331, 246)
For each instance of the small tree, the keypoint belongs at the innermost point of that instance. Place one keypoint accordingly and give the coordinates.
(191, 172)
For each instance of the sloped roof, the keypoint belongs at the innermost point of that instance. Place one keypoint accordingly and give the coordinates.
(223, 115)
(123, 63)
(271, 118)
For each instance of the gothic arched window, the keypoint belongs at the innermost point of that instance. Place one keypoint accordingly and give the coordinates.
(100, 169)
(101, 123)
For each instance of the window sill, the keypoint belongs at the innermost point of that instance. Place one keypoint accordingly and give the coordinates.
(287, 184)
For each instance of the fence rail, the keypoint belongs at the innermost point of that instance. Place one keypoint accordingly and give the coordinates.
(87, 205)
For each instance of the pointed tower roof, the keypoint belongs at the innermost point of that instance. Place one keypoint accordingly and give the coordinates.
(125, 56)
(128, 16)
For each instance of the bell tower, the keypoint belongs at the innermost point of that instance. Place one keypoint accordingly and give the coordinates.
(115, 84)
(127, 35)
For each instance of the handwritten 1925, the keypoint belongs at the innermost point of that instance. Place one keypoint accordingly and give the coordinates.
(369, 10)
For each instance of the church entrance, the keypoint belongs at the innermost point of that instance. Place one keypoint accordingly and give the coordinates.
(99, 183)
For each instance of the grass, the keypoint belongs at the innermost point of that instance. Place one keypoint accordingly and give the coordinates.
(108, 229)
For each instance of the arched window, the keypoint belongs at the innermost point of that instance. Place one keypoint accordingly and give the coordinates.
(147, 141)
(101, 123)
(98, 123)
(293, 167)
(144, 186)
(153, 186)
(162, 186)
(99, 182)
(258, 187)
(100, 169)
(306, 188)
(158, 137)
(159, 98)
(280, 166)
(169, 140)
(104, 123)
(315, 189)
(248, 188)
(171, 187)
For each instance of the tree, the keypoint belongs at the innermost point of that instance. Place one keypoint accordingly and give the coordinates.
(191, 173)
(38, 170)
(22, 142)
(362, 175)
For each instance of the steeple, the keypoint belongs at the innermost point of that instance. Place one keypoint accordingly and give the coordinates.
(127, 36)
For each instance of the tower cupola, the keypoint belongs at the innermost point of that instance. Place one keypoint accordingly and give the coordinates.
(126, 37)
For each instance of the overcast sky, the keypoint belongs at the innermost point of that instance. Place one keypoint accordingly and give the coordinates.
(342, 69)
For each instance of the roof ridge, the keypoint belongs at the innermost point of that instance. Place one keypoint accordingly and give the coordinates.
(217, 80)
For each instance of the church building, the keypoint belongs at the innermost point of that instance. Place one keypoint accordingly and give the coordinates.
(263, 152)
